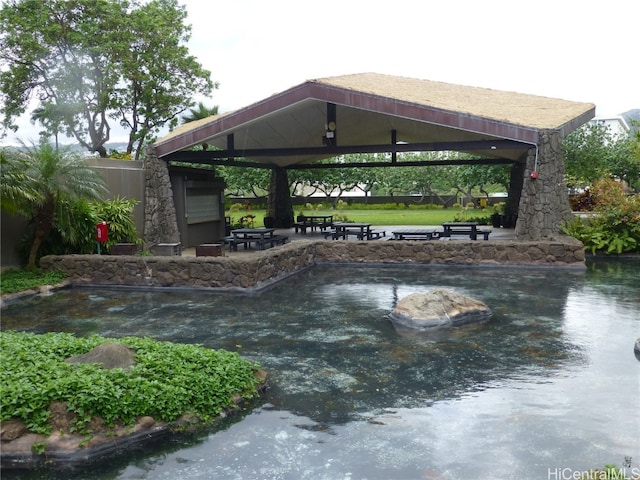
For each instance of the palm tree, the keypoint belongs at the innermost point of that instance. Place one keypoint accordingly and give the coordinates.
(198, 114)
(15, 188)
(50, 179)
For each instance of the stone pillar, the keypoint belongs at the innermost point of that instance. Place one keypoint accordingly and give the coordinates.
(279, 204)
(160, 223)
(544, 204)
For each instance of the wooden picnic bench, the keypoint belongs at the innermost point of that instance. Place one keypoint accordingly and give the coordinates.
(261, 237)
(260, 243)
(362, 231)
(464, 228)
(313, 223)
(376, 234)
(415, 234)
(272, 241)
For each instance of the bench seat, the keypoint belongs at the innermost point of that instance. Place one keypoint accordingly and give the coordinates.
(344, 234)
(303, 226)
(376, 235)
(268, 242)
(485, 232)
(209, 250)
(272, 241)
(300, 227)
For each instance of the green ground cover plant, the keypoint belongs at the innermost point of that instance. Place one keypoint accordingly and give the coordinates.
(167, 381)
(12, 281)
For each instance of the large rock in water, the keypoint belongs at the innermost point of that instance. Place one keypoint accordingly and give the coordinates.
(438, 308)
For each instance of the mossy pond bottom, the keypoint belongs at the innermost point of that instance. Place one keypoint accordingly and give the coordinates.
(549, 386)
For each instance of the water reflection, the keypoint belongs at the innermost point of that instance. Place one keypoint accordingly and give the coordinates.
(350, 398)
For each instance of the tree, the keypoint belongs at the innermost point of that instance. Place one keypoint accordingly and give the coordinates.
(160, 76)
(428, 180)
(90, 62)
(335, 180)
(242, 181)
(624, 161)
(16, 190)
(199, 113)
(52, 178)
(592, 153)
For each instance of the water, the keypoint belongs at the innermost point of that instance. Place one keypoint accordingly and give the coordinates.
(549, 386)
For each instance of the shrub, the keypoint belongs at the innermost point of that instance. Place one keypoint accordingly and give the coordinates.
(73, 234)
(582, 202)
(339, 217)
(118, 213)
(76, 232)
(615, 225)
(235, 207)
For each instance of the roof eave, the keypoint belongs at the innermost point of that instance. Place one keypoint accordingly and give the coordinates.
(316, 90)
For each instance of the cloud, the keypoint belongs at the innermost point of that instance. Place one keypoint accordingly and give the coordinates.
(563, 49)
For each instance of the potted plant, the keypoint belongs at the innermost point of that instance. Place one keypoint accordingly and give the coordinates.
(496, 216)
(508, 219)
(269, 220)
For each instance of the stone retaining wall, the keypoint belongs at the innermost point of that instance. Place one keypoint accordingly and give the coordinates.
(264, 268)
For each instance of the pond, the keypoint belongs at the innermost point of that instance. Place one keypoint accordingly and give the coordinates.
(548, 386)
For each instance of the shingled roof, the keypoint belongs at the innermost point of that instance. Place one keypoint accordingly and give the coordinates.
(368, 108)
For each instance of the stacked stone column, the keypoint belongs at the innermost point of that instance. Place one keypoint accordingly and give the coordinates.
(160, 223)
(544, 204)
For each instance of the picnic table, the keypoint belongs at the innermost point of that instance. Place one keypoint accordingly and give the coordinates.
(321, 222)
(261, 237)
(415, 234)
(464, 228)
(362, 231)
(344, 229)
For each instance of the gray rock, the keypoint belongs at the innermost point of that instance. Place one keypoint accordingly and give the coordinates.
(108, 355)
(438, 308)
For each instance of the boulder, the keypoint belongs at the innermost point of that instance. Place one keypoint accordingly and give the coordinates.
(636, 349)
(108, 355)
(438, 308)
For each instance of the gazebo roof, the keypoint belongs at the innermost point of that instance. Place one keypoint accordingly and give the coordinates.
(369, 111)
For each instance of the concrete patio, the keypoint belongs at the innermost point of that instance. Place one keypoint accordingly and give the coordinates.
(496, 234)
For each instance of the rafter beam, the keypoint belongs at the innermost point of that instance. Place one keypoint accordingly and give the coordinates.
(313, 166)
(411, 163)
(329, 151)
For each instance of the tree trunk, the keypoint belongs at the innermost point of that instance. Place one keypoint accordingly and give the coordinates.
(101, 151)
(33, 253)
(279, 204)
(43, 224)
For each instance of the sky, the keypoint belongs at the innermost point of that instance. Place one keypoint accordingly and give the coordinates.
(567, 49)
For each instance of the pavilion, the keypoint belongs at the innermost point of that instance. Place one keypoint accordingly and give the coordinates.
(370, 113)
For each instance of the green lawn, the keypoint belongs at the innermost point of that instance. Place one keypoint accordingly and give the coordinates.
(408, 216)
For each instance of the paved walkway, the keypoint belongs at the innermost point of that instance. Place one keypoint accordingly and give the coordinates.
(496, 234)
